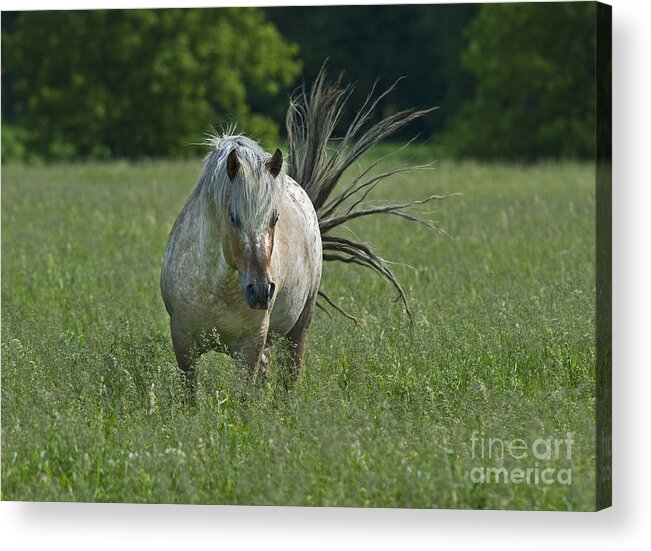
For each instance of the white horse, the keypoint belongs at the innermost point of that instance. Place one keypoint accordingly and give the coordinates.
(244, 258)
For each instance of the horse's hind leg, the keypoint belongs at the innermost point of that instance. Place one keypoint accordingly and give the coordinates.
(297, 338)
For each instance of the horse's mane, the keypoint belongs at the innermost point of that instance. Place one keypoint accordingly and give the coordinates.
(252, 194)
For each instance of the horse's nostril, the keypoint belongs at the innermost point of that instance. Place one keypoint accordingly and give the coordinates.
(259, 293)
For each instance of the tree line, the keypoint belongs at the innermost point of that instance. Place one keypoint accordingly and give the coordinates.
(512, 81)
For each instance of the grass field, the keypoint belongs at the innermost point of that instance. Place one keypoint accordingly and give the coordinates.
(503, 345)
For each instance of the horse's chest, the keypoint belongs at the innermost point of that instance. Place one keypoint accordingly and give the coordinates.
(232, 318)
(227, 313)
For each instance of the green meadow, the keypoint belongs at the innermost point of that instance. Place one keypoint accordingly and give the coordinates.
(502, 348)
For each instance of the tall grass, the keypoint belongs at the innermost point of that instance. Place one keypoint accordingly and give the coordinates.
(503, 345)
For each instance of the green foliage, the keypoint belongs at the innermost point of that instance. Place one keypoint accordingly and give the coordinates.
(134, 83)
(14, 140)
(535, 92)
(511, 81)
(92, 403)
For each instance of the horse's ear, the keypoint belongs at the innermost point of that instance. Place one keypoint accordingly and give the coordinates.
(275, 163)
(232, 165)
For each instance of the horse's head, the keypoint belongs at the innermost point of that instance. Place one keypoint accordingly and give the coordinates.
(249, 217)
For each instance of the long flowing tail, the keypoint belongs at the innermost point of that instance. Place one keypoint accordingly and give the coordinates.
(317, 161)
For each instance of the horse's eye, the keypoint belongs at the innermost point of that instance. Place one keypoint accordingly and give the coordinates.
(233, 219)
(274, 220)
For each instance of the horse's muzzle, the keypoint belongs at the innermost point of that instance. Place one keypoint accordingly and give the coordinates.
(258, 294)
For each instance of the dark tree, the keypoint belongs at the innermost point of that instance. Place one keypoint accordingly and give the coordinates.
(418, 42)
(535, 70)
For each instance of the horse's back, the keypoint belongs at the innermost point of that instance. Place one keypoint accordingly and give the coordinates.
(297, 257)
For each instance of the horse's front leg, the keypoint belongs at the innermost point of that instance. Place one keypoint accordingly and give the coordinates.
(253, 357)
(186, 350)
(297, 338)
